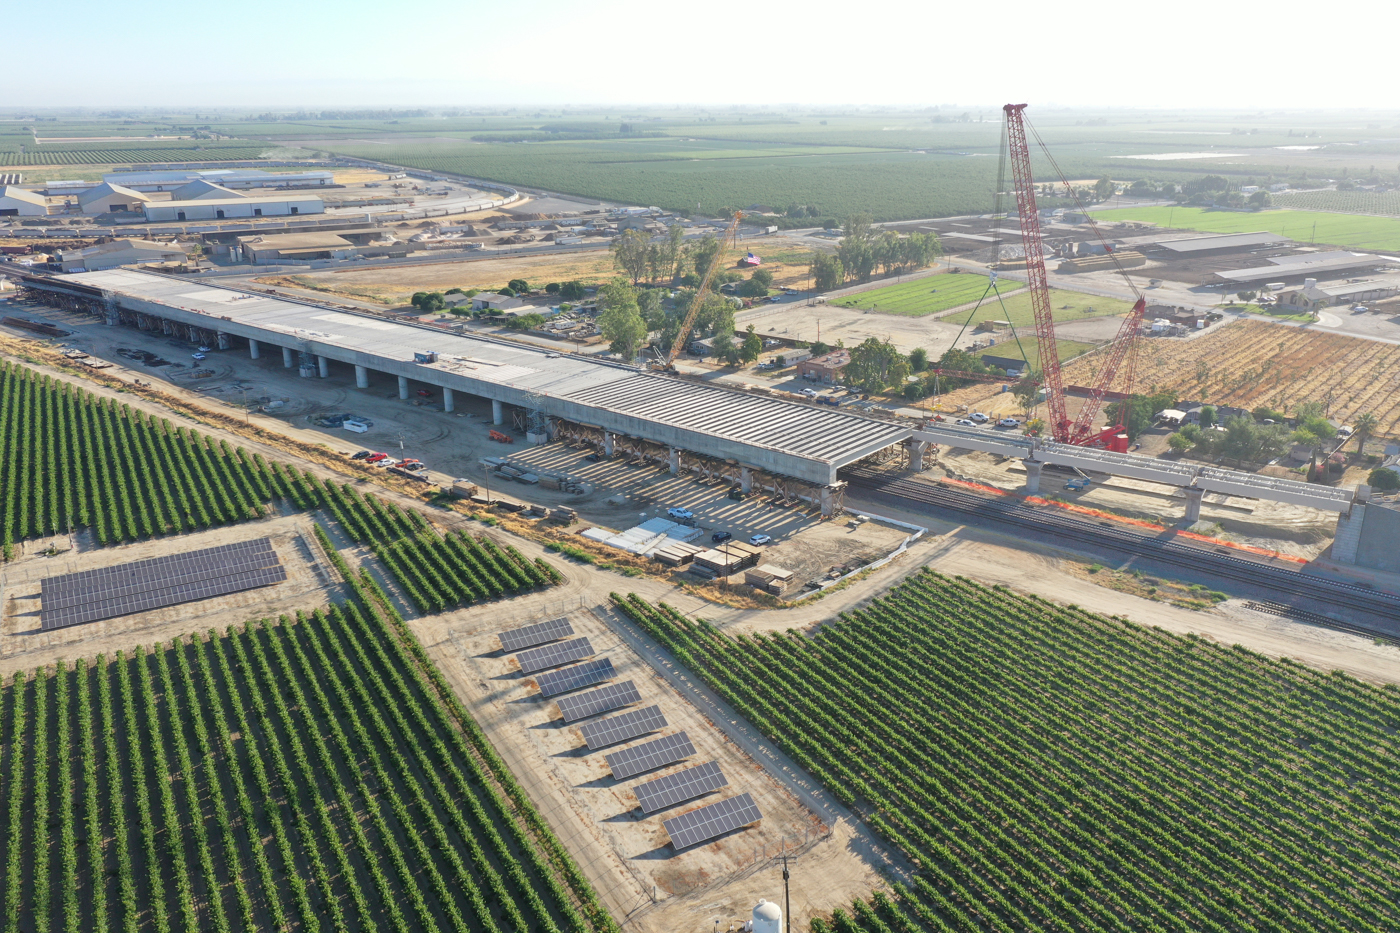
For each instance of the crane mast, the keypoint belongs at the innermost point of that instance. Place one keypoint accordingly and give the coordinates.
(1035, 269)
(703, 292)
(1124, 343)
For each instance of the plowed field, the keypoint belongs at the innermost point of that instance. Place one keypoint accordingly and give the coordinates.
(1254, 363)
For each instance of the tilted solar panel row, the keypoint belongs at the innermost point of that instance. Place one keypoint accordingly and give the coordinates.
(711, 820)
(650, 755)
(611, 697)
(537, 634)
(543, 658)
(141, 602)
(574, 678)
(167, 573)
(622, 727)
(683, 785)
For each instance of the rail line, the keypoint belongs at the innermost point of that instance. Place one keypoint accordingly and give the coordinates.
(1166, 549)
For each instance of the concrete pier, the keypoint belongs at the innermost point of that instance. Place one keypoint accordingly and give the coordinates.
(675, 461)
(361, 377)
(288, 360)
(1193, 503)
(607, 444)
(496, 412)
(916, 455)
(253, 349)
(323, 366)
(447, 400)
(1033, 468)
(403, 387)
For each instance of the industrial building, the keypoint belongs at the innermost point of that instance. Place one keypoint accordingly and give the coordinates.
(201, 190)
(238, 206)
(1299, 266)
(759, 442)
(17, 202)
(108, 198)
(119, 253)
(1196, 247)
(313, 244)
(224, 177)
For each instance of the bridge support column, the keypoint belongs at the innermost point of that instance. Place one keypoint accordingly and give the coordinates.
(1348, 539)
(675, 461)
(497, 416)
(916, 455)
(1033, 468)
(447, 400)
(224, 341)
(746, 481)
(361, 377)
(403, 387)
(607, 443)
(323, 366)
(828, 502)
(1193, 504)
(253, 349)
(287, 360)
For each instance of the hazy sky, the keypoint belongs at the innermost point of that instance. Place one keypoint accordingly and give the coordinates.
(469, 53)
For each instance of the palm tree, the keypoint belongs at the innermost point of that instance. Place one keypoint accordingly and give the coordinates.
(1364, 426)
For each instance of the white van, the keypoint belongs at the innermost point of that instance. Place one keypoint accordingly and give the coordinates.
(355, 426)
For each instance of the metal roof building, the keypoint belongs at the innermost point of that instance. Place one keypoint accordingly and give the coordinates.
(1285, 268)
(19, 202)
(1228, 243)
(774, 435)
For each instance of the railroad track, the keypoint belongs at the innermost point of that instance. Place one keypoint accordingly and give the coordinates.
(1164, 548)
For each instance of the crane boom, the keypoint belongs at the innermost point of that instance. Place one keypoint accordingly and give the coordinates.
(703, 291)
(1035, 269)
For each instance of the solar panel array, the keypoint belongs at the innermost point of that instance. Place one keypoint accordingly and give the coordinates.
(683, 785)
(613, 696)
(622, 727)
(109, 592)
(649, 755)
(710, 821)
(532, 635)
(572, 678)
(539, 659)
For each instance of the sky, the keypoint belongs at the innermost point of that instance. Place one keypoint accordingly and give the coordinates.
(474, 54)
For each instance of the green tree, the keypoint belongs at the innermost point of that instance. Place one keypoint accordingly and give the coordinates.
(918, 359)
(826, 272)
(1365, 425)
(1383, 479)
(630, 253)
(572, 291)
(857, 252)
(753, 346)
(702, 254)
(621, 321)
(872, 365)
(1135, 414)
(1178, 442)
(519, 286)
(552, 288)
(758, 284)
(1026, 389)
(1259, 199)
(428, 301)
(507, 291)
(649, 303)
(1207, 415)
(1103, 188)
(525, 322)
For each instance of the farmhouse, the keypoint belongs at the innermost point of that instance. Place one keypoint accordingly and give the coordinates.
(1307, 298)
(17, 202)
(490, 301)
(827, 369)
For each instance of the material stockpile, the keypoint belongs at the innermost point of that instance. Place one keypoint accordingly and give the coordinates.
(727, 559)
(646, 538)
(770, 578)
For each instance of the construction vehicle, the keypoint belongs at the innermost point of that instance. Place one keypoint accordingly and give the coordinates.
(730, 238)
(500, 438)
(1123, 348)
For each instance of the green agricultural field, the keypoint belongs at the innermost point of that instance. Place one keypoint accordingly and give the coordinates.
(923, 296)
(1045, 768)
(1348, 230)
(1067, 306)
(1385, 203)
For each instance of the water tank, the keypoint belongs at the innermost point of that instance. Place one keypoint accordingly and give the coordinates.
(767, 918)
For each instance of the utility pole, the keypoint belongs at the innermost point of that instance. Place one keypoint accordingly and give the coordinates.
(787, 891)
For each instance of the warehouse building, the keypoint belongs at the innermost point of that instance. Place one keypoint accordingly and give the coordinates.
(17, 202)
(228, 208)
(108, 198)
(224, 177)
(303, 246)
(119, 253)
(1302, 266)
(1196, 247)
(201, 190)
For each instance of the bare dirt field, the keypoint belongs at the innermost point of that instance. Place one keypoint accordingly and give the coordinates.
(24, 646)
(1252, 363)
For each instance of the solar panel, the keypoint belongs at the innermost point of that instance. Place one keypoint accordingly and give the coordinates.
(572, 678)
(650, 755)
(683, 785)
(123, 589)
(613, 696)
(537, 634)
(539, 659)
(711, 820)
(622, 727)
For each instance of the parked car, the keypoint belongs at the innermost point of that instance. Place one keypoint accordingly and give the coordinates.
(810, 393)
(719, 536)
(376, 457)
(206, 349)
(760, 539)
(412, 464)
(979, 417)
(965, 423)
(199, 356)
(1008, 423)
(678, 512)
(359, 455)
(593, 458)
(425, 393)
